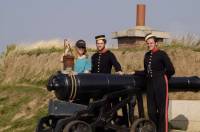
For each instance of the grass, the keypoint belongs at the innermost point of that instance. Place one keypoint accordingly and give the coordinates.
(15, 100)
(27, 125)
(8, 111)
(39, 51)
(1, 71)
(196, 49)
(39, 82)
(10, 48)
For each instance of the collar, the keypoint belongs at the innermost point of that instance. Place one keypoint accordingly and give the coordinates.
(154, 50)
(82, 57)
(103, 51)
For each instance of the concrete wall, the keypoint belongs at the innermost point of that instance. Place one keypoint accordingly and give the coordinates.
(126, 42)
(185, 115)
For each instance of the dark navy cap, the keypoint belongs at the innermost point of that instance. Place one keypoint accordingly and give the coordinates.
(81, 44)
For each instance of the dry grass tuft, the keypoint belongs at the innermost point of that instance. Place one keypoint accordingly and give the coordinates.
(188, 40)
(42, 45)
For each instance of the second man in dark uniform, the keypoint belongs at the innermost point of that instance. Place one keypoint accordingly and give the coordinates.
(158, 69)
(102, 62)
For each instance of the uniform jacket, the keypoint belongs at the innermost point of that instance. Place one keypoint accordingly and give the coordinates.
(158, 63)
(103, 62)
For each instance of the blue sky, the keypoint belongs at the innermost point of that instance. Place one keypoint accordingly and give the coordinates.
(33, 20)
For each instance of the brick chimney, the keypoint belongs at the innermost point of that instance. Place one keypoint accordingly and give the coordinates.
(140, 18)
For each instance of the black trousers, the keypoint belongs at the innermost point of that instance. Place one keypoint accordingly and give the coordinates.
(157, 102)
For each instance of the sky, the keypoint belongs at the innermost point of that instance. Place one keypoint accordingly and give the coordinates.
(27, 21)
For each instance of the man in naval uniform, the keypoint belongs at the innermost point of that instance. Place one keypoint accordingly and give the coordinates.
(158, 69)
(104, 59)
(102, 62)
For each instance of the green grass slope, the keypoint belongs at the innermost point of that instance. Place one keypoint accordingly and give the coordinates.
(21, 106)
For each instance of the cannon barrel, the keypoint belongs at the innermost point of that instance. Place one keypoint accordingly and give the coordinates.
(71, 87)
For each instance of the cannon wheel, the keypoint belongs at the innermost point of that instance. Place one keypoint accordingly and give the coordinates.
(45, 124)
(61, 124)
(143, 125)
(77, 126)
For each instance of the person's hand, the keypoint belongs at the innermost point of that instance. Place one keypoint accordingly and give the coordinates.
(61, 58)
(130, 73)
(120, 73)
(87, 71)
(73, 73)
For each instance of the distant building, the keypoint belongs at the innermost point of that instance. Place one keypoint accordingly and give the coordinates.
(132, 36)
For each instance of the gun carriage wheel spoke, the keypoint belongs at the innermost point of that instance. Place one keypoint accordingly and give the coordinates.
(143, 125)
(77, 126)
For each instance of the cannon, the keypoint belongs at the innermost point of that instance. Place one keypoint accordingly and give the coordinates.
(87, 102)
